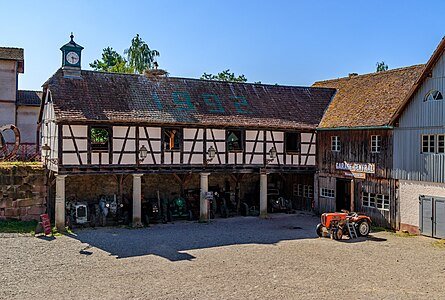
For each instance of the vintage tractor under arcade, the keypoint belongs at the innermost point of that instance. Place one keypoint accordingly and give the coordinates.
(342, 223)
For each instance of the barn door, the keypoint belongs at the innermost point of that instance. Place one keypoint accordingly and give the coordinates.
(439, 217)
(426, 216)
(432, 216)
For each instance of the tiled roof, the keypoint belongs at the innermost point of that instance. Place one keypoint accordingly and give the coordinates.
(368, 100)
(31, 98)
(11, 53)
(100, 96)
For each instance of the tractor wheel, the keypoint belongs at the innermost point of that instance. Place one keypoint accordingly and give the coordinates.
(339, 234)
(363, 228)
(319, 230)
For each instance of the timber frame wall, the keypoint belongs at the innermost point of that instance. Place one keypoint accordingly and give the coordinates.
(74, 154)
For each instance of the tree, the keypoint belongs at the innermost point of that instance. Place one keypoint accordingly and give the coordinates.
(140, 56)
(381, 66)
(111, 62)
(224, 76)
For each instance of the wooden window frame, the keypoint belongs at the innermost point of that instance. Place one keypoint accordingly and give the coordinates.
(371, 200)
(335, 143)
(181, 139)
(433, 98)
(440, 148)
(243, 140)
(93, 146)
(376, 143)
(287, 136)
(327, 193)
(430, 148)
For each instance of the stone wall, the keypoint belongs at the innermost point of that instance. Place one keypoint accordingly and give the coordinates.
(22, 192)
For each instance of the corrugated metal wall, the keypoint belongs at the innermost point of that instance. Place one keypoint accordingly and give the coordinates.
(421, 118)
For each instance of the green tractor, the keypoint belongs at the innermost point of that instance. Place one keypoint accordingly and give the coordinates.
(179, 209)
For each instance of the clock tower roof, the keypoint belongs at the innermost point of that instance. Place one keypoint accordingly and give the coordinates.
(71, 44)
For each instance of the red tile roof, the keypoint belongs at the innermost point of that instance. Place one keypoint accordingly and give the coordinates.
(368, 100)
(112, 97)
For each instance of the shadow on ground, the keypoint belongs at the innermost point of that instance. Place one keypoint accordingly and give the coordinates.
(171, 241)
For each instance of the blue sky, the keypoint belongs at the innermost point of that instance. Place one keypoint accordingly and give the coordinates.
(284, 42)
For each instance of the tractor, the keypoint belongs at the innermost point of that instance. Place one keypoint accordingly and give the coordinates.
(342, 223)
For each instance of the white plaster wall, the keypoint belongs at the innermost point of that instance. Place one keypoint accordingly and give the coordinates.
(409, 192)
(27, 123)
(8, 78)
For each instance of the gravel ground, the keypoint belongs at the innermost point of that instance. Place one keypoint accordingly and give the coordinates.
(235, 258)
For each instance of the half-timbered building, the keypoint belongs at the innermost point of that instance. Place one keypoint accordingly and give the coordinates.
(173, 134)
(355, 144)
(419, 151)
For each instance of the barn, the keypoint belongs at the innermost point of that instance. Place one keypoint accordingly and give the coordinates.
(137, 137)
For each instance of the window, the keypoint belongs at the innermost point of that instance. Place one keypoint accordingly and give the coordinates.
(378, 201)
(335, 143)
(300, 190)
(433, 95)
(428, 143)
(327, 193)
(441, 143)
(100, 138)
(376, 141)
(292, 142)
(234, 140)
(308, 191)
(172, 139)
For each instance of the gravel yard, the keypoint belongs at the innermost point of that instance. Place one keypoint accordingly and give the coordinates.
(235, 258)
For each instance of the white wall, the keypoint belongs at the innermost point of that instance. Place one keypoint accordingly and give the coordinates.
(27, 123)
(409, 198)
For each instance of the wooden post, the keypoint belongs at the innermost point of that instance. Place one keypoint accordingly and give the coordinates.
(203, 203)
(263, 194)
(137, 200)
(60, 202)
(352, 195)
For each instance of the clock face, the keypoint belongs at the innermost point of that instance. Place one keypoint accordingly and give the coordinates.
(72, 58)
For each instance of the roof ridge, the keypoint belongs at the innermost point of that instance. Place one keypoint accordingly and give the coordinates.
(203, 80)
(373, 73)
(30, 91)
(18, 48)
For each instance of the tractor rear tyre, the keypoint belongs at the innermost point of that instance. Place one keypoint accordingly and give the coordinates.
(319, 230)
(363, 228)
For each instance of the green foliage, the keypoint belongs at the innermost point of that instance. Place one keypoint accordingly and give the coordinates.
(139, 58)
(224, 76)
(111, 62)
(381, 66)
(99, 135)
(14, 226)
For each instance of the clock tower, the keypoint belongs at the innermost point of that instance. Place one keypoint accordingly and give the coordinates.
(71, 58)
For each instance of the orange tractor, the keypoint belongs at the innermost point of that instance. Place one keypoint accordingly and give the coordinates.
(345, 223)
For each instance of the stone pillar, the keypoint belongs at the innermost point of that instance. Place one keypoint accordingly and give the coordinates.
(203, 203)
(60, 202)
(263, 194)
(137, 200)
